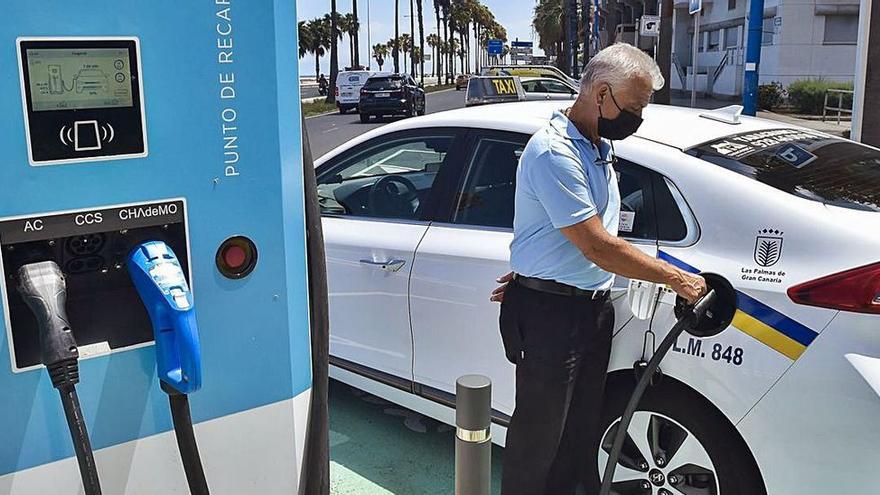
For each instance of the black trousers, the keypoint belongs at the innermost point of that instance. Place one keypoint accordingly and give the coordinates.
(561, 346)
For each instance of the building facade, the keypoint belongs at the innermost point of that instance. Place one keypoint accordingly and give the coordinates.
(801, 39)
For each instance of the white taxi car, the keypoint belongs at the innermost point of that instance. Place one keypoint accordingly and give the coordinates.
(417, 222)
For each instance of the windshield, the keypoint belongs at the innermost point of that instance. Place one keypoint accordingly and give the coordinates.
(805, 163)
(383, 83)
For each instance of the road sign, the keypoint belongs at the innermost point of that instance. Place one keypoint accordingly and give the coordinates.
(650, 25)
(695, 6)
(495, 47)
(522, 44)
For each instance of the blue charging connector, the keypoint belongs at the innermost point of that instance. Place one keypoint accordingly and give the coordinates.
(159, 280)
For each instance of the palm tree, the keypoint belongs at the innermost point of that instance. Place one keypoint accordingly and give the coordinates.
(412, 37)
(461, 17)
(343, 22)
(318, 39)
(438, 65)
(421, 42)
(380, 51)
(405, 44)
(446, 6)
(434, 42)
(334, 55)
(349, 25)
(354, 34)
(395, 52)
(548, 23)
(304, 34)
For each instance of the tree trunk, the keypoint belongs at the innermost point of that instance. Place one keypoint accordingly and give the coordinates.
(396, 48)
(317, 64)
(355, 41)
(438, 66)
(421, 41)
(664, 52)
(412, 40)
(463, 50)
(334, 56)
(446, 44)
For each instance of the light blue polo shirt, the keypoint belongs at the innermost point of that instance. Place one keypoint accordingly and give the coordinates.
(562, 180)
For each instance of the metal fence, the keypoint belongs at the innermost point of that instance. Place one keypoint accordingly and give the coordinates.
(839, 108)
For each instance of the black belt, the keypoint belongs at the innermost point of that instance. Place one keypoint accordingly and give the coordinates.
(558, 288)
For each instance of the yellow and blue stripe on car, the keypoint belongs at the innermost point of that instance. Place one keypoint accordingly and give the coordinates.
(761, 322)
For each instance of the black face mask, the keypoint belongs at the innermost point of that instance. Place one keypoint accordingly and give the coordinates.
(625, 125)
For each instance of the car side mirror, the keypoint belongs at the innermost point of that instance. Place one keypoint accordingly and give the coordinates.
(643, 297)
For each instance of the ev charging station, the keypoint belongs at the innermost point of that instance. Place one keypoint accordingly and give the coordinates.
(152, 246)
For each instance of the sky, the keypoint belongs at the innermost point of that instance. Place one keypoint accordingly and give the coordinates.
(514, 15)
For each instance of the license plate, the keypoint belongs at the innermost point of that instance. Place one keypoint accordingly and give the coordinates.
(346, 95)
(383, 95)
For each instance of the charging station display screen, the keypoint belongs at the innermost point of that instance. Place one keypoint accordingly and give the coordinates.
(82, 99)
(72, 79)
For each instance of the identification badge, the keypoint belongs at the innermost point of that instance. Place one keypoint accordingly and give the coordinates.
(627, 219)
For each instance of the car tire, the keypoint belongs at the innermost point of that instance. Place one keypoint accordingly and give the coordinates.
(680, 413)
(365, 118)
(424, 109)
(342, 110)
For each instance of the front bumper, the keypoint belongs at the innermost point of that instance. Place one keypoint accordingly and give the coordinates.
(816, 431)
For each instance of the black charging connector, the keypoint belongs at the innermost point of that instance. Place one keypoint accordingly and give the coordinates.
(43, 289)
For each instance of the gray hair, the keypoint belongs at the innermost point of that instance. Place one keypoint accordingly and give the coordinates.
(619, 64)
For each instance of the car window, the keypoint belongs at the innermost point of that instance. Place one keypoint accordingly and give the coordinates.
(487, 197)
(671, 226)
(637, 218)
(383, 83)
(390, 179)
(556, 87)
(804, 163)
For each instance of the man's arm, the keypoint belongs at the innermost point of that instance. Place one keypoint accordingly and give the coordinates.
(615, 255)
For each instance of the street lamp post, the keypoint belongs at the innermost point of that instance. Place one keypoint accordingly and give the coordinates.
(369, 40)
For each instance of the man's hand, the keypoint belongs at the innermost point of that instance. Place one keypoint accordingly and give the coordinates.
(689, 286)
(498, 294)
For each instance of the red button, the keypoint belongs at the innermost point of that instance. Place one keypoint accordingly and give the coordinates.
(234, 256)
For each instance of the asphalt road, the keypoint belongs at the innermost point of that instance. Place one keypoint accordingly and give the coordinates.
(329, 131)
(308, 91)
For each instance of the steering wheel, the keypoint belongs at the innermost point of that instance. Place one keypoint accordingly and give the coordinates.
(392, 196)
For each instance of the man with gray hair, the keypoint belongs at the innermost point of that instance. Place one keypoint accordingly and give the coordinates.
(556, 315)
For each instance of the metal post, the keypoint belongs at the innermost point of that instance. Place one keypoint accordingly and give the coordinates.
(473, 440)
(694, 62)
(369, 40)
(570, 41)
(753, 57)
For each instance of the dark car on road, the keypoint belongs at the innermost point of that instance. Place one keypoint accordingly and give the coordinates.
(461, 81)
(393, 94)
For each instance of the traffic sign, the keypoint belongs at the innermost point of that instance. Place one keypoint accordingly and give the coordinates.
(695, 6)
(522, 44)
(650, 25)
(495, 47)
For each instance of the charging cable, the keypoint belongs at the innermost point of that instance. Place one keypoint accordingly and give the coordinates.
(159, 280)
(689, 319)
(43, 289)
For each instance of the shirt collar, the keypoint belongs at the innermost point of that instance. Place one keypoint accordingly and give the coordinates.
(566, 128)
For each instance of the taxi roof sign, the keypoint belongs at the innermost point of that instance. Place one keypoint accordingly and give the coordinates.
(483, 90)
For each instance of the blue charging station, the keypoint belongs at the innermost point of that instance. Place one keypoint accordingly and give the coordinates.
(137, 124)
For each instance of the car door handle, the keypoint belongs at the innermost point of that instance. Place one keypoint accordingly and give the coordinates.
(392, 265)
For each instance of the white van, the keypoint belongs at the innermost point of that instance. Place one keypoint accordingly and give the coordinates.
(348, 88)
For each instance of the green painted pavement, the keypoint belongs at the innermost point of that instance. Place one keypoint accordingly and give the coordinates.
(380, 448)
